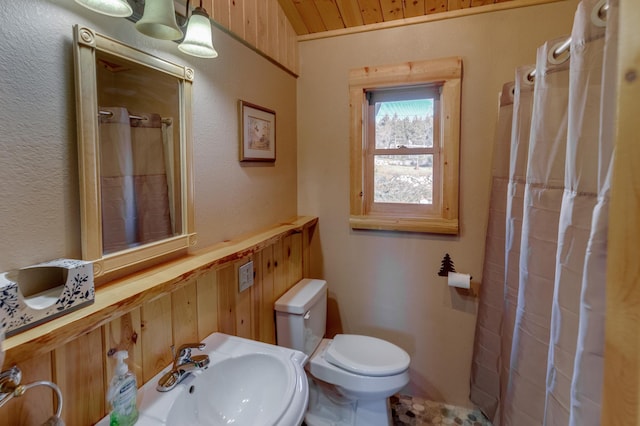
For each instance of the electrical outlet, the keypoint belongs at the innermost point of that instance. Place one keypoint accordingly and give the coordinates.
(245, 276)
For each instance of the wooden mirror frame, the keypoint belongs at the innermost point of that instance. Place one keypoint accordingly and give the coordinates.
(86, 43)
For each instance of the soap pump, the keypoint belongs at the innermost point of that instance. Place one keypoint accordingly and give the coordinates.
(122, 394)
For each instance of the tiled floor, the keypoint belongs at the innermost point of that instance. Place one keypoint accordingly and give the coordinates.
(415, 411)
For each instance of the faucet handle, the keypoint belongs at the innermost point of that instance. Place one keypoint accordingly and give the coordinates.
(184, 351)
(10, 379)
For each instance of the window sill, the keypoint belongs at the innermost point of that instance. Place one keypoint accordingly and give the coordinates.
(424, 225)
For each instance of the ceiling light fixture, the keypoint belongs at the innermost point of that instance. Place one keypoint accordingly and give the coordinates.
(197, 41)
(159, 20)
(117, 8)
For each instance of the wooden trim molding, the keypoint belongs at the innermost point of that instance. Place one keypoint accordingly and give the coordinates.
(621, 393)
(443, 217)
(435, 226)
(88, 46)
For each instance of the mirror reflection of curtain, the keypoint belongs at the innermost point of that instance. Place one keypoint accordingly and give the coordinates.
(150, 178)
(135, 198)
(169, 158)
(116, 181)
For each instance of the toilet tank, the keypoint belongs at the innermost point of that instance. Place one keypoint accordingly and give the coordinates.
(301, 315)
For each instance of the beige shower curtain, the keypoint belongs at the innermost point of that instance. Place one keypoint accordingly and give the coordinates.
(578, 202)
(116, 181)
(551, 354)
(587, 382)
(522, 108)
(485, 369)
(169, 165)
(525, 396)
(150, 178)
(134, 187)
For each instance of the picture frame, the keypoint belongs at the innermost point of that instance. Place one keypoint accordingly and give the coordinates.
(257, 133)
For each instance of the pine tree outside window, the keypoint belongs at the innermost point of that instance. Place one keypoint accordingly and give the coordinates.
(402, 123)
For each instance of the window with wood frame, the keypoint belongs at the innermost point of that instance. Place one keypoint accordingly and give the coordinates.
(405, 138)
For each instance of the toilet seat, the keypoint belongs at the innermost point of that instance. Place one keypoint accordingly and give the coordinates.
(366, 355)
(366, 387)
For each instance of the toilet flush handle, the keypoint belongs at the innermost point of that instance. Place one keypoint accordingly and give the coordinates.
(307, 315)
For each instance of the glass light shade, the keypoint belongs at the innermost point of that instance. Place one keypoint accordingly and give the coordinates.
(117, 8)
(159, 20)
(198, 42)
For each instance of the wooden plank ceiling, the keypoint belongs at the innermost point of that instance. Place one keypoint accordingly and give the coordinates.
(314, 16)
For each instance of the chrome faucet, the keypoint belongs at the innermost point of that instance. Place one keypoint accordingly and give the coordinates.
(183, 364)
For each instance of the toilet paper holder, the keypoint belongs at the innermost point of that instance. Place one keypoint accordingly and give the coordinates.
(447, 266)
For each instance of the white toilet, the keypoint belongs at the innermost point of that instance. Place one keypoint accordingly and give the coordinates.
(351, 377)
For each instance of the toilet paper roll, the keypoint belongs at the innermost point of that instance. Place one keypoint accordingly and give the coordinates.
(459, 280)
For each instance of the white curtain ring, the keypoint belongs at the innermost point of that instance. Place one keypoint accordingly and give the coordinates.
(530, 77)
(599, 14)
(558, 58)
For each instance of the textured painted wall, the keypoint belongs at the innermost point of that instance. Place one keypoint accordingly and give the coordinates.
(386, 284)
(39, 213)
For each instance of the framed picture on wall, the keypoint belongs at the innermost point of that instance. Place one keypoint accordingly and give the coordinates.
(257, 133)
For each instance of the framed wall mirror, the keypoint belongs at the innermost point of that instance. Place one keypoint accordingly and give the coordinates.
(134, 152)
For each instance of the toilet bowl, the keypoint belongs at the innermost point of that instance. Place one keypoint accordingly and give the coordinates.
(350, 376)
(359, 374)
(367, 390)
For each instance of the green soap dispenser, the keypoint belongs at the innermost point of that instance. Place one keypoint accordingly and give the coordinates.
(122, 394)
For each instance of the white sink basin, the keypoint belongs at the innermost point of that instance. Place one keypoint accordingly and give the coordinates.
(255, 387)
(247, 383)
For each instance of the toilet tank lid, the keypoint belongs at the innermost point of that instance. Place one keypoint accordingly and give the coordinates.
(300, 297)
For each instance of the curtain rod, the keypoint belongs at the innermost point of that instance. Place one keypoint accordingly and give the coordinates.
(136, 117)
(566, 45)
(133, 117)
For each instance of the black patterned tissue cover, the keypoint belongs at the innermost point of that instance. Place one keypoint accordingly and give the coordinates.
(39, 293)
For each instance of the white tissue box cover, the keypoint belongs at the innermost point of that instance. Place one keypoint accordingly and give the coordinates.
(17, 315)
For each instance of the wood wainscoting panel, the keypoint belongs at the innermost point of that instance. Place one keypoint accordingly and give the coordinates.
(256, 296)
(292, 253)
(227, 299)
(621, 392)
(292, 61)
(262, 26)
(251, 22)
(38, 404)
(236, 18)
(78, 370)
(122, 334)
(279, 277)
(281, 55)
(306, 257)
(267, 325)
(220, 12)
(207, 301)
(272, 20)
(184, 312)
(157, 336)
(178, 302)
